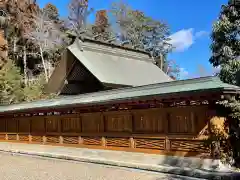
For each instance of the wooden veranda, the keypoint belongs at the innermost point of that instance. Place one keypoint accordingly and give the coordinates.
(170, 118)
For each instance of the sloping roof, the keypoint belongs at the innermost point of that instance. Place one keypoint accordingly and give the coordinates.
(117, 66)
(154, 90)
(114, 66)
(110, 65)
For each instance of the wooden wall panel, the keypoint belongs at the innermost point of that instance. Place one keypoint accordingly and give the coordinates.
(2, 125)
(118, 122)
(71, 123)
(172, 130)
(52, 123)
(151, 121)
(12, 125)
(38, 124)
(92, 122)
(181, 120)
(201, 118)
(24, 124)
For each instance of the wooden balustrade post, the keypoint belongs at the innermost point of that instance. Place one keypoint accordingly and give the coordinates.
(80, 140)
(44, 139)
(17, 137)
(167, 144)
(60, 140)
(30, 138)
(132, 143)
(103, 141)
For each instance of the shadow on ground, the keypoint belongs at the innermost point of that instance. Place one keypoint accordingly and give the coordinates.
(198, 168)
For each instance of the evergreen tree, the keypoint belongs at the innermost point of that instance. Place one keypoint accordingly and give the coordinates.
(13, 89)
(34, 90)
(10, 84)
(225, 54)
(226, 43)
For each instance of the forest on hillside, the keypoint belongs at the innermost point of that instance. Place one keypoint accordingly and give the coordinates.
(32, 39)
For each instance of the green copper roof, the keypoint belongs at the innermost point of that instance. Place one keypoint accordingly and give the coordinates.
(117, 66)
(198, 84)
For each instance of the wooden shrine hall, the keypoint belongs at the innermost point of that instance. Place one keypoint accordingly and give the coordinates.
(138, 109)
(170, 118)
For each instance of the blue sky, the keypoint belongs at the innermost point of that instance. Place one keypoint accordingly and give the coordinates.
(190, 22)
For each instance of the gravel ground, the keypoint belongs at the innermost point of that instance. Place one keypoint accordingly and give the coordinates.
(14, 167)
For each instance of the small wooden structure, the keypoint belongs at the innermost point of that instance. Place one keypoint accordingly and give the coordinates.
(168, 118)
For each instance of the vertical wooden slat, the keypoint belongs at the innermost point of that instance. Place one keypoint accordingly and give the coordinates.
(166, 129)
(17, 125)
(30, 126)
(192, 116)
(59, 124)
(6, 127)
(3, 125)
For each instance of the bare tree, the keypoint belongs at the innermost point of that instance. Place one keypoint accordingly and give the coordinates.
(78, 13)
(46, 35)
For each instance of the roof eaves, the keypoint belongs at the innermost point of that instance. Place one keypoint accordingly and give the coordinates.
(118, 100)
(212, 83)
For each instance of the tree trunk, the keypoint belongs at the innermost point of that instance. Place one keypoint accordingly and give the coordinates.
(161, 60)
(25, 64)
(44, 65)
(15, 46)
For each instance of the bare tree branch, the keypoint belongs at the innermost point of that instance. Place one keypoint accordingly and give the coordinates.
(78, 16)
(46, 35)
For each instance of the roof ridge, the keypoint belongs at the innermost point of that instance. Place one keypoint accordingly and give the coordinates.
(85, 38)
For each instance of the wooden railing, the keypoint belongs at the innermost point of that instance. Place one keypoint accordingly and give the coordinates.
(132, 143)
